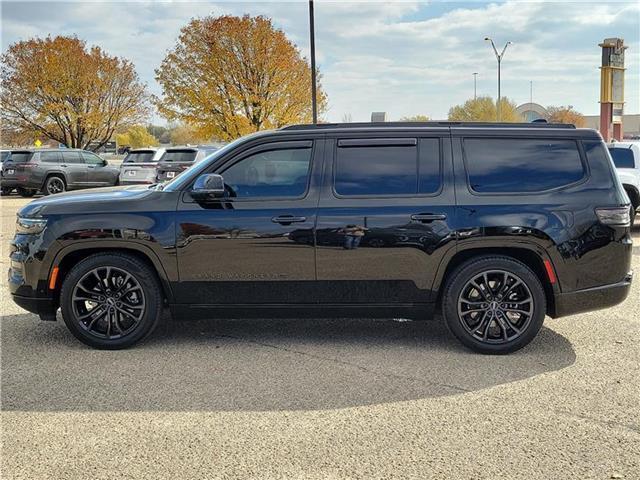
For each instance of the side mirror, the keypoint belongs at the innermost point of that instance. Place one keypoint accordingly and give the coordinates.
(208, 186)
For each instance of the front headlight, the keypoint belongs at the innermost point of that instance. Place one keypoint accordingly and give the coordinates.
(30, 226)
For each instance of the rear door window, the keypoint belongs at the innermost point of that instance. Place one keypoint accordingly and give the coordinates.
(504, 165)
(72, 157)
(408, 167)
(49, 157)
(622, 157)
(179, 156)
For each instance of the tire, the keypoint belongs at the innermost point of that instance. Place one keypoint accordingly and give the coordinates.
(109, 327)
(54, 184)
(6, 191)
(468, 309)
(25, 192)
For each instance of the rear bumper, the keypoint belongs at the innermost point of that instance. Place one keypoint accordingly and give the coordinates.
(16, 183)
(591, 299)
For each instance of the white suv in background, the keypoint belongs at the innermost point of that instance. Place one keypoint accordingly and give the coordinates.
(139, 166)
(626, 157)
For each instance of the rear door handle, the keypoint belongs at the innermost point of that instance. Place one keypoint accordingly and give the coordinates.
(428, 217)
(288, 219)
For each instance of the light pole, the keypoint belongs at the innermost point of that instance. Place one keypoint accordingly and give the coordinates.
(312, 37)
(475, 78)
(499, 57)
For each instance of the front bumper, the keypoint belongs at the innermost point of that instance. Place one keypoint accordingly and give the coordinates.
(43, 307)
(590, 299)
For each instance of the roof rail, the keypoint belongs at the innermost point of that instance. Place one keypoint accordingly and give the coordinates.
(426, 124)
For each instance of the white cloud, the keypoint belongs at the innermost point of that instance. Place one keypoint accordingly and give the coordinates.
(402, 57)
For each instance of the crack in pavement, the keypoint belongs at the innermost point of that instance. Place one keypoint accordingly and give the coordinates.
(455, 388)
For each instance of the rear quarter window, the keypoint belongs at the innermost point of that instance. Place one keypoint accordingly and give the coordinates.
(518, 165)
(622, 157)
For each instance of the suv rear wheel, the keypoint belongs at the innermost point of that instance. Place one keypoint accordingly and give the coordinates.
(494, 305)
(53, 185)
(111, 301)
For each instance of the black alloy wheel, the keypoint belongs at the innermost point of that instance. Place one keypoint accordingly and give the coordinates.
(54, 185)
(111, 301)
(494, 304)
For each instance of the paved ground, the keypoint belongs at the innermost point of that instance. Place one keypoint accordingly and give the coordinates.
(320, 399)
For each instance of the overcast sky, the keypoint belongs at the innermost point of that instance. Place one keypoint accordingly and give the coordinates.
(404, 58)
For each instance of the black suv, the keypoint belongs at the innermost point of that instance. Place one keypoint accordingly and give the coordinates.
(494, 225)
(54, 171)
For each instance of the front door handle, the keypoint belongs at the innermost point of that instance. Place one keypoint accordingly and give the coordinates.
(288, 219)
(428, 217)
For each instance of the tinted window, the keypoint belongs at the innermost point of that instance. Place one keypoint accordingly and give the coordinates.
(521, 165)
(139, 157)
(179, 156)
(49, 157)
(4, 156)
(622, 157)
(275, 173)
(21, 157)
(71, 157)
(388, 170)
(92, 159)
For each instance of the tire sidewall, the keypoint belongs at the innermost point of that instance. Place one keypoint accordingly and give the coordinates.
(142, 273)
(459, 279)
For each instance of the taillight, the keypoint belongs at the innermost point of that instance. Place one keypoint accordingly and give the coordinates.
(28, 165)
(619, 216)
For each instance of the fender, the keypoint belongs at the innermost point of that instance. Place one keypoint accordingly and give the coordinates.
(494, 245)
(107, 245)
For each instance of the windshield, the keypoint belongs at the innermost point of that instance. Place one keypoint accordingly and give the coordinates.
(21, 157)
(179, 156)
(180, 181)
(622, 157)
(143, 156)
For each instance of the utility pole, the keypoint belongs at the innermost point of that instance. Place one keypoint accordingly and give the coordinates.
(475, 78)
(312, 35)
(530, 91)
(499, 57)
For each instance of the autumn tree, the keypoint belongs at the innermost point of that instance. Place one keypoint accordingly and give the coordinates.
(72, 94)
(483, 109)
(415, 118)
(136, 137)
(229, 76)
(565, 115)
(186, 134)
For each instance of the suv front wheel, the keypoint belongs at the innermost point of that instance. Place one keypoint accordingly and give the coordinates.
(494, 305)
(111, 301)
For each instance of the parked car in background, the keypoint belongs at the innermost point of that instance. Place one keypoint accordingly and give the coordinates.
(4, 154)
(139, 166)
(54, 170)
(626, 158)
(176, 160)
(494, 225)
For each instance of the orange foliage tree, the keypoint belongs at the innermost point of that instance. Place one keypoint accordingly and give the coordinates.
(229, 76)
(58, 88)
(565, 115)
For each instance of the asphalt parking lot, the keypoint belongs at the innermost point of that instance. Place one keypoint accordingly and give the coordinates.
(319, 399)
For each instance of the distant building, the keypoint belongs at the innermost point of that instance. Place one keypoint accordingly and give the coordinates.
(630, 124)
(532, 111)
(378, 116)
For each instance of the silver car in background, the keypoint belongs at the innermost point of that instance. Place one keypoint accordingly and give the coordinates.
(139, 166)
